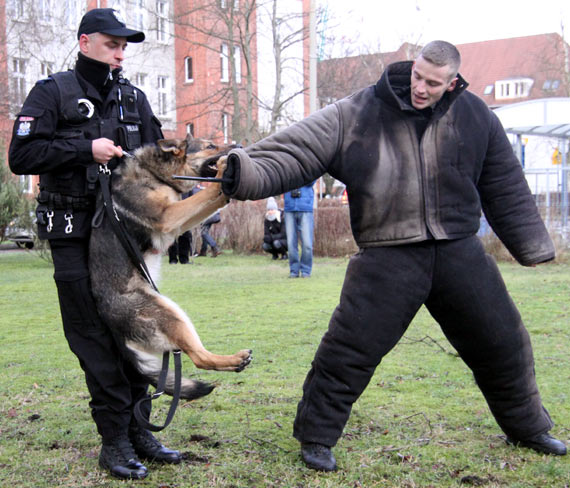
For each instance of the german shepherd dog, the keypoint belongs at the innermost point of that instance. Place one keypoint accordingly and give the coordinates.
(148, 201)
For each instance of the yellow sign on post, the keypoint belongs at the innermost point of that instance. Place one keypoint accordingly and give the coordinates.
(556, 157)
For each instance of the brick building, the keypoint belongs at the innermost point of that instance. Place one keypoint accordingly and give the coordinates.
(198, 63)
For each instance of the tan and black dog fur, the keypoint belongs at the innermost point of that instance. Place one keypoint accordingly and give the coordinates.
(148, 200)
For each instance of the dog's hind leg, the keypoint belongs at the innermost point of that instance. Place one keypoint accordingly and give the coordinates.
(175, 331)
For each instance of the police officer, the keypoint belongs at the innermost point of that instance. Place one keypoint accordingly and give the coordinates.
(71, 123)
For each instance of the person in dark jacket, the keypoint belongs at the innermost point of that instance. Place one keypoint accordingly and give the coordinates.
(274, 233)
(421, 157)
(72, 124)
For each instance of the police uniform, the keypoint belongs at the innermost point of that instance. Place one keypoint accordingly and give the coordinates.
(53, 137)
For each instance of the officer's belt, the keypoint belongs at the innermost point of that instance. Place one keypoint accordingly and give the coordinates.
(57, 201)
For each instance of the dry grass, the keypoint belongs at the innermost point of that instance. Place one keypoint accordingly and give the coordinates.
(241, 230)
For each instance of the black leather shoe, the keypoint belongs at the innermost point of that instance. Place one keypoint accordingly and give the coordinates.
(119, 458)
(147, 447)
(318, 456)
(544, 443)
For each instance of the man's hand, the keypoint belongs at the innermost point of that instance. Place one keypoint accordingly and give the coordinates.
(104, 150)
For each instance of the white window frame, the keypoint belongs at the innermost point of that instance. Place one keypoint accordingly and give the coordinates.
(162, 21)
(162, 92)
(190, 129)
(46, 68)
(139, 15)
(44, 10)
(72, 12)
(514, 88)
(19, 90)
(224, 63)
(19, 10)
(188, 67)
(141, 80)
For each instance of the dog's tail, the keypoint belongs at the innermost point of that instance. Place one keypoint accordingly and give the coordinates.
(150, 367)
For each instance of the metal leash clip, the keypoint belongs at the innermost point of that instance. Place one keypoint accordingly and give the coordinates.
(49, 215)
(69, 226)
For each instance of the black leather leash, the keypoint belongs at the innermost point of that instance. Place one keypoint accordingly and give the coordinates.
(137, 259)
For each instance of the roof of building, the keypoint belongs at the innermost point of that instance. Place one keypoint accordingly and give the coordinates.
(539, 58)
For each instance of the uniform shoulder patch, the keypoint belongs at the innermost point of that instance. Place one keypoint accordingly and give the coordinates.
(24, 125)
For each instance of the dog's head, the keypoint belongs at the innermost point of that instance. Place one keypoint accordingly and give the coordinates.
(192, 156)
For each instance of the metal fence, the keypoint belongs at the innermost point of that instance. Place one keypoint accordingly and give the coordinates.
(550, 189)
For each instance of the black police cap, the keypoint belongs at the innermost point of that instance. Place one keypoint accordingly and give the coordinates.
(107, 21)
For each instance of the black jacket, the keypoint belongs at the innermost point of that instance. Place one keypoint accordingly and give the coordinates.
(274, 230)
(403, 189)
(44, 142)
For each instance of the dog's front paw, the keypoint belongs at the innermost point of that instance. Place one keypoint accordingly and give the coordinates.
(247, 358)
(221, 166)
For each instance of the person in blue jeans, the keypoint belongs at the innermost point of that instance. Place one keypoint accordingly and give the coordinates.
(299, 222)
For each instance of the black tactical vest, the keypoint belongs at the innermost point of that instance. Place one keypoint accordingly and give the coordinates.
(80, 118)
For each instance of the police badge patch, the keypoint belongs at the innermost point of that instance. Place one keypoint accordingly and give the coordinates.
(25, 126)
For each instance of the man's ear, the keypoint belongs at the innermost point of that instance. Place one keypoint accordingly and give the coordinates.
(451, 86)
(84, 43)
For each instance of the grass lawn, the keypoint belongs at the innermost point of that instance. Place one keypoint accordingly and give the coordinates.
(422, 422)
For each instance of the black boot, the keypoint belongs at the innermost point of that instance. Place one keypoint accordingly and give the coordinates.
(147, 447)
(543, 443)
(118, 457)
(318, 456)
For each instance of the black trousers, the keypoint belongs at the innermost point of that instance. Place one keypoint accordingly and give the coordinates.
(114, 384)
(463, 290)
(180, 248)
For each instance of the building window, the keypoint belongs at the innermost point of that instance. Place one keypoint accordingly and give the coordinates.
(139, 15)
(46, 69)
(19, 81)
(44, 10)
(519, 88)
(225, 127)
(224, 4)
(188, 73)
(224, 59)
(488, 89)
(162, 95)
(551, 85)
(190, 129)
(19, 9)
(162, 20)
(72, 13)
(141, 80)
(237, 63)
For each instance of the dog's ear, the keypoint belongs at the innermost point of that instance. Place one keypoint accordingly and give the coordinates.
(175, 146)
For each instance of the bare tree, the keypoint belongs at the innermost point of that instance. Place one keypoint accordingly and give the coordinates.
(285, 31)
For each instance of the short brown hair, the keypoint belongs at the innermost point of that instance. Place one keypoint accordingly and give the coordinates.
(442, 53)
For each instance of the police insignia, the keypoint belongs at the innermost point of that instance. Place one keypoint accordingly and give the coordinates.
(118, 16)
(25, 126)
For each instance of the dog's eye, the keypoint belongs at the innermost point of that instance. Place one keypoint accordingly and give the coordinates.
(211, 146)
